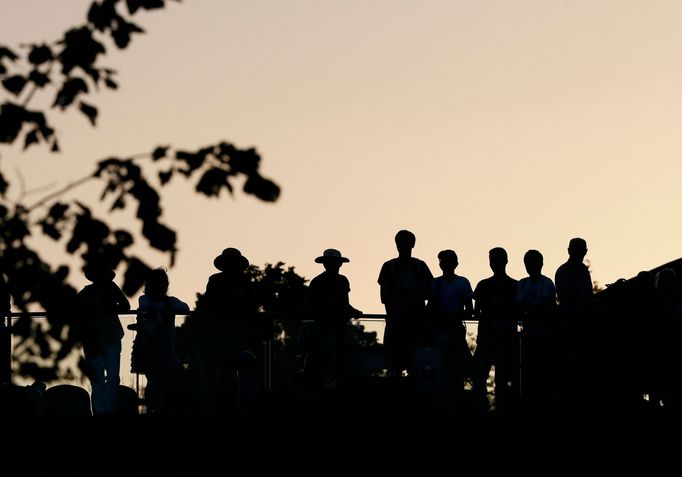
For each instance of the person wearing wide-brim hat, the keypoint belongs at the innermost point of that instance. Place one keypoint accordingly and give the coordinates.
(231, 259)
(328, 304)
(101, 332)
(98, 273)
(331, 255)
(225, 309)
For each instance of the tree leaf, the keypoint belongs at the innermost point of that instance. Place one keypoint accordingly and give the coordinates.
(89, 111)
(212, 181)
(31, 138)
(58, 211)
(12, 118)
(123, 31)
(50, 230)
(101, 15)
(38, 78)
(134, 276)
(159, 153)
(119, 203)
(262, 188)
(164, 177)
(3, 185)
(70, 89)
(14, 84)
(152, 4)
(159, 236)
(133, 6)
(7, 53)
(80, 49)
(40, 54)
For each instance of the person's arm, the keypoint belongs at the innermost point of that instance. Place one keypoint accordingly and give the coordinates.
(477, 301)
(352, 311)
(178, 306)
(559, 284)
(468, 303)
(384, 278)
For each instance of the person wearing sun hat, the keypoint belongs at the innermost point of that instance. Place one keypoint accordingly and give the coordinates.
(328, 304)
(225, 310)
(101, 332)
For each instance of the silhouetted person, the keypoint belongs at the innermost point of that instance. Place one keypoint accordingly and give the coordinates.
(99, 304)
(536, 299)
(449, 306)
(226, 307)
(578, 336)
(495, 309)
(667, 363)
(154, 345)
(328, 304)
(405, 283)
(572, 279)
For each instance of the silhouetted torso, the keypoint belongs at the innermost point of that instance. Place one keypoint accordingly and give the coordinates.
(328, 298)
(404, 284)
(495, 299)
(100, 304)
(573, 285)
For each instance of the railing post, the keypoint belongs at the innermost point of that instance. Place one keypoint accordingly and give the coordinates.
(5, 350)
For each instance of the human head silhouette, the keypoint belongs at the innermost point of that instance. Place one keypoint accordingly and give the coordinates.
(533, 261)
(404, 242)
(498, 260)
(98, 272)
(231, 260)
(156, 284)
(577, 249)
(332, 260)
(447, 260)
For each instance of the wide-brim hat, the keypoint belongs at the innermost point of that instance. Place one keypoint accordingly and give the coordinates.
(230, 257)
(331, 255)
(98, 273)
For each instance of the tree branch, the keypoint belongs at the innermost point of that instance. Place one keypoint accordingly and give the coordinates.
(61, 191)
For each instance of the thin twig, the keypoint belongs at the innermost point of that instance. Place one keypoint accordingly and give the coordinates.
(61, 191)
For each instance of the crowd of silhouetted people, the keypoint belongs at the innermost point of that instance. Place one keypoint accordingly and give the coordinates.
(554, 347)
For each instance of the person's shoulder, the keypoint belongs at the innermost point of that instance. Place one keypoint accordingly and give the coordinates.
(177, 303)
(85, 290)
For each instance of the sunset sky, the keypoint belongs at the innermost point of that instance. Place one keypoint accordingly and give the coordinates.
(474, 124)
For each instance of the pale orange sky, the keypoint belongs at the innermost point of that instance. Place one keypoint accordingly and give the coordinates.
(474, 124)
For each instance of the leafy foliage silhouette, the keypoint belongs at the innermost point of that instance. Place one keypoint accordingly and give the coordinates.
(70, 68)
